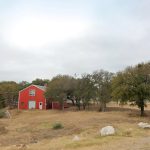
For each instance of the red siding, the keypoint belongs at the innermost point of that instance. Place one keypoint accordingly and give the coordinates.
(56, 105)
(24, 97)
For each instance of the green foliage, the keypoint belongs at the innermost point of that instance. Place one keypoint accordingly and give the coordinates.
(40, 82)
(9, 93)
(133, 85)
(59, 87)
(2, 113)
(2, 101)
(84, 91)
(23, 84)
(102, 82)
(57, 125)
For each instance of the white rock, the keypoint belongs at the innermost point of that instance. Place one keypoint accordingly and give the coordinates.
(144, 125)
(108, 130)
(76, 138)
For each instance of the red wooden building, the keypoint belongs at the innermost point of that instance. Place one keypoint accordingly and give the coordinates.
(32, 97)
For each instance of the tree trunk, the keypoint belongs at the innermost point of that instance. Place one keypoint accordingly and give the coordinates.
(142, 107)
(102, 107)
(78, 104)
(79, 107)
(84, 106)
(73, 103)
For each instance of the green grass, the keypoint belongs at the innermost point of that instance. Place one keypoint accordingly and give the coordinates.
(57, 126)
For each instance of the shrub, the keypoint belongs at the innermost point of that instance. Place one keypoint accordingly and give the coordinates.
(57, 126)
(2, 113)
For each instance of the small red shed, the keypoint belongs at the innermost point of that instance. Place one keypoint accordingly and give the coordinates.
(32, 97)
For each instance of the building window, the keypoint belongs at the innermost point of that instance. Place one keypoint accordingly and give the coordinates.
(32, 92)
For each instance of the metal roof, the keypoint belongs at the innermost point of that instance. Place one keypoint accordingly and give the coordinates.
(41, 87)
(38, 86)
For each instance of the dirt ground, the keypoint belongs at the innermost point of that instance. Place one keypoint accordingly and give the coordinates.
(32, 130)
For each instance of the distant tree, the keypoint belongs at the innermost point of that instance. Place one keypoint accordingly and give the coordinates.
(59, 88)
(72, 85)
(77, 94)
(9, 92)
(40, 82)
(2, 101)
(23, 84)
(84, 91)
(119, 88)
(102, 83)
(133, 85)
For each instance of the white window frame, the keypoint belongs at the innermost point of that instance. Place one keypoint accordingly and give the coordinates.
(32, 92)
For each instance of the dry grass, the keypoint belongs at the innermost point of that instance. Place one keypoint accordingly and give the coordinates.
(33, 130)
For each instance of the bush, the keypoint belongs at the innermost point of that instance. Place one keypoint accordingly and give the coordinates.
(57, 126)
(2, 113)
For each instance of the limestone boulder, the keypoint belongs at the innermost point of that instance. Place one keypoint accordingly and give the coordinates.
(108, 130)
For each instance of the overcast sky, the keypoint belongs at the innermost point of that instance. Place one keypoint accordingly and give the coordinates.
(43, 38)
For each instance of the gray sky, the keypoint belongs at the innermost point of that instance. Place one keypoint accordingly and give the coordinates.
(43, 38)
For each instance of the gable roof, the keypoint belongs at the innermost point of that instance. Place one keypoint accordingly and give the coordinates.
(43, 88)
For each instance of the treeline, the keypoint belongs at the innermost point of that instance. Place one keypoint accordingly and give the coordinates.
(9, 91)
(82, 91)
(100, 87)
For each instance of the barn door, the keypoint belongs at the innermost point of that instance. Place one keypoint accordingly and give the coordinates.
(40, 105)
(31, 104)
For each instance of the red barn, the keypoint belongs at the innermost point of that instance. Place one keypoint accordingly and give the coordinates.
(32, 97)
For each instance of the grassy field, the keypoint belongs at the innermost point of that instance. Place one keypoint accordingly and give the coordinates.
(32, 130)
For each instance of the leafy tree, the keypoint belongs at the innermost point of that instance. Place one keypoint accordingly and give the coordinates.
(102, 82)
(71, 84)
(59, 88)
(9, 92)
(2, 101)
(77, 93)
(119, 88)
(133, 85)
(84, 91)
(41, 82)
(23, 84)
